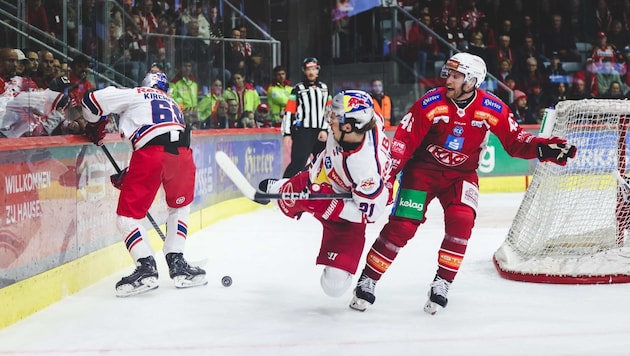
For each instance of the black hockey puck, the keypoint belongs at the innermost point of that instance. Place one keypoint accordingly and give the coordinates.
(226, 281)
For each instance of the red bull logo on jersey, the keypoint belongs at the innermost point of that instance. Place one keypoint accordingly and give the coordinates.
(367, 184)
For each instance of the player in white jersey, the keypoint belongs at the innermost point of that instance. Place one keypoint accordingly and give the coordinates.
(356, 160)
(153, 123)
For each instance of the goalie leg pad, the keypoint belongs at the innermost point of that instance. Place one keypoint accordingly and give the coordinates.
(334, 281)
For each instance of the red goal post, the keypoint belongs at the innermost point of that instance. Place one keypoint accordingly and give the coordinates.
(572, 225)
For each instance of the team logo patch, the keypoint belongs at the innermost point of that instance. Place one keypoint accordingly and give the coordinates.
(454, 143)
(491, 104)
(447, 157)
(458, 130)
(180, 200)
(430, 99)
(367, 184)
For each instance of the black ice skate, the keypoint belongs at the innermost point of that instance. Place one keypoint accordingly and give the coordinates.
(184, 275)
(363, 293)
(143, 279)
(437, 295)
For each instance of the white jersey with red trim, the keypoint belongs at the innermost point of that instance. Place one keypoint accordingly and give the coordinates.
(144, 112)
(362, 172)
(436, 134)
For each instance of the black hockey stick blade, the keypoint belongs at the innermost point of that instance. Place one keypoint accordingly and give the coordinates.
(251, 193)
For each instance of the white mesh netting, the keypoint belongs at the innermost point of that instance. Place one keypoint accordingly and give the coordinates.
(571, 225)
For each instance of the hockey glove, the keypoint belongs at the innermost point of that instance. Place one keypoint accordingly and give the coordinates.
(118, 178)
(95, 131)
(556, 150)
(324, 209)
(297, 183)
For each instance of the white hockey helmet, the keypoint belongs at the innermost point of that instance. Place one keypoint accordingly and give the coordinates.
(472, 66)
(353, 104)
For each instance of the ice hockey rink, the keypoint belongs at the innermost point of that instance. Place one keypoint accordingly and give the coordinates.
(276, 307)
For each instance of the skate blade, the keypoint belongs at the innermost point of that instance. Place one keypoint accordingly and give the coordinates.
(359, 304)
(182, 282)
(432, 308)
(128, 290)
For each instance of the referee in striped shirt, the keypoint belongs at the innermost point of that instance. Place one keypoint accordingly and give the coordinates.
(304, 127)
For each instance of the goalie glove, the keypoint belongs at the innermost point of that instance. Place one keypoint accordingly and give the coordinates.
(95, 131)
(556, 150)
(118, 178)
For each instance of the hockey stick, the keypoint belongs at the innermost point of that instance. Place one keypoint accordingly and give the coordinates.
(118, 170)
(252, 193)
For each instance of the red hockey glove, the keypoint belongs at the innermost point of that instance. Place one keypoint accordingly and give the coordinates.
(326, 209)
(297, 183)
(118, 178)
(556, 150)
(95, 132)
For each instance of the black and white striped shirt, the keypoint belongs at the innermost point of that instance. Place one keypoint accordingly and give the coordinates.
(306, 107)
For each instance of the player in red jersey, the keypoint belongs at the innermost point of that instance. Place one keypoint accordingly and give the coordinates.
(437, 148)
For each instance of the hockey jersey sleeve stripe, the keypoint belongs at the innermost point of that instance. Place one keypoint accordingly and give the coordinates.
(89, 101)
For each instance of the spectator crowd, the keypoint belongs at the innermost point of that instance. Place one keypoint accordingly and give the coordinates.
(221, 79)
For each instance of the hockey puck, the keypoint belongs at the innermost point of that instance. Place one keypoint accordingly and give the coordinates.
(226, 281)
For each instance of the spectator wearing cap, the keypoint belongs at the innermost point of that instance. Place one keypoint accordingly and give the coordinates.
(261, 116)
(554, 71)
(304, 127)
(523, 114)
(21, 66)
(602, 49)
(21, 70)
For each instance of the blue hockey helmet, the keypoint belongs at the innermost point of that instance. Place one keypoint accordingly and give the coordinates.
(156, 80)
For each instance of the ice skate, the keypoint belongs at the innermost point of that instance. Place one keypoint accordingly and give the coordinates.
(363, 293)
(143, 279)
(437, 295)
(184, 275)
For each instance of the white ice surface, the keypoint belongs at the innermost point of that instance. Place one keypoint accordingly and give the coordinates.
(276, 307)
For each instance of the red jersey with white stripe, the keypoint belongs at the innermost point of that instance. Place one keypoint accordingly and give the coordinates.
(362, 172)
(144, 112)
(436, 134)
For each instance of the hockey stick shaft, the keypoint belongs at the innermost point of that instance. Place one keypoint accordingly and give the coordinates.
(235, 175)
(118, 170)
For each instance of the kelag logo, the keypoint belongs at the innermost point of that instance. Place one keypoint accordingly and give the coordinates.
(411, 204)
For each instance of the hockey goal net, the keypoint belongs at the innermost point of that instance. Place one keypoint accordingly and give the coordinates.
(572, 223)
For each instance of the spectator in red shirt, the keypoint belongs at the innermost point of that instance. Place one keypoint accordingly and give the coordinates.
(422, 45)
(602, 49)
(79, 84)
